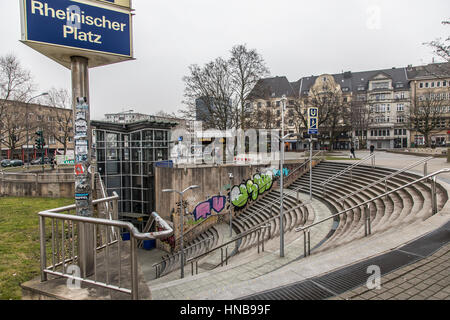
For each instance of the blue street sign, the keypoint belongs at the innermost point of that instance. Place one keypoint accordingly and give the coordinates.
(75, 24)
(313, 121)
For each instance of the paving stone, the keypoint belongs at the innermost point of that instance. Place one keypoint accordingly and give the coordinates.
(412, 291)
(386, 296)
(441, 295)
(402, 296)
(417, 297)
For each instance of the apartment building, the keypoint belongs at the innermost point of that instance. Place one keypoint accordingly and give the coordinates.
(430, 97)
(21, 120)
(378, 103)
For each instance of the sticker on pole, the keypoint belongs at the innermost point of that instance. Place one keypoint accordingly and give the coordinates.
(79, 169)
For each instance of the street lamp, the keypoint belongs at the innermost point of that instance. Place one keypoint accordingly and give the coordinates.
(290, 135)
(230, 175)
(26, 121)
(181, 193)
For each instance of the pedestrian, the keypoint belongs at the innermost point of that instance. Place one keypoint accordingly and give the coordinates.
(352, 151)
(372, 149)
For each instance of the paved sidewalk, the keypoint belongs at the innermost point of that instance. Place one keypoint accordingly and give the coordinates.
(427, 279)
(250, 265)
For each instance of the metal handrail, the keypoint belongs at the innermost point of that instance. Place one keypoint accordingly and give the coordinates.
(179, 252)
(349, 168)
(304, 164)
(134, 234)
(368, 202)
(277, 201)
(425, 160)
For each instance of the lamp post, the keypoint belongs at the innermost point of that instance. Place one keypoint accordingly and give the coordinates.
(26, 121)
(283, 140)
(181, 193)
(230, 175)
(283, 106)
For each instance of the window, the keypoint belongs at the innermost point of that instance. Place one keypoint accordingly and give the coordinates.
(400, 107)
(444, 83)
(421, 85)
(438, 83)
(426, 84)
(278, 103)
(432, 84)
(400, 119)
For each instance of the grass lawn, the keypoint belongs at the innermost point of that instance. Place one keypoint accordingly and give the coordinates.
(19, 241)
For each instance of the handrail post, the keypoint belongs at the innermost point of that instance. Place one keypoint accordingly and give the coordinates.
(221, 257)
(134, 269)
(386, 188)
(425, 169)
(43, 248)
(259, 234)
(434, 196)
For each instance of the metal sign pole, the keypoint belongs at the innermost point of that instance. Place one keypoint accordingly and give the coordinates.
(310, 167)
(83, 156)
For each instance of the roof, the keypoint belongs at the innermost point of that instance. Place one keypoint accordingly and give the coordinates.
(274, 87)
(133, 126)
(429, 71)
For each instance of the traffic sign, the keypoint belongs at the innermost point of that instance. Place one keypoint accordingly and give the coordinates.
(313, 120)
(98, 30)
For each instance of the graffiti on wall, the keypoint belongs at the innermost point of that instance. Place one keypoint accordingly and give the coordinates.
(204, 210)
(277, 173)
(251, 189)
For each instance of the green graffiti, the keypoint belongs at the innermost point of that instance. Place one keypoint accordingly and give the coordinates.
(251, 189)
(239, 196)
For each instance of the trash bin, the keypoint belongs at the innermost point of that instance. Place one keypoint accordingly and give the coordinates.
(149, 244)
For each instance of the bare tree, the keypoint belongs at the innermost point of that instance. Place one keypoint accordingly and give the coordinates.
(216, 93)
(16, 84)
(62, 126)
(209, 92)
(247, 67)
(360, 117)
(441, 47)
(426, 114)
(13, 126)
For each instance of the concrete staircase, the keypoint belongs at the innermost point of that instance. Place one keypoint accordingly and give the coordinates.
(398, 209)
(267, 208)
(204, 242)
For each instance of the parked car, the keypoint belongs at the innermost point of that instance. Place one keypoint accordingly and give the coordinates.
(5, 163)
(16, 163)
(38, 161)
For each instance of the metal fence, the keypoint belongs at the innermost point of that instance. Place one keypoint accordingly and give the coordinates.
(60, 250)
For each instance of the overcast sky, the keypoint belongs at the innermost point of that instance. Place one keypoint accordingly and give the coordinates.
(296, 38)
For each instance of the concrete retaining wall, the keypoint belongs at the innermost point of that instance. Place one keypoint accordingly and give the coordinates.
(212, 180)
(48, 184)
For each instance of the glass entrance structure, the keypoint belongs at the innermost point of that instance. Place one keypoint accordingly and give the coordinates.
(125, 156)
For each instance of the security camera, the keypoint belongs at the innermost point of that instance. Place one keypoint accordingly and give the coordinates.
(230, 175)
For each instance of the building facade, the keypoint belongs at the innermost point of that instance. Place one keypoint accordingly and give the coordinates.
(20, 120)
(126, 155)
(375, 106)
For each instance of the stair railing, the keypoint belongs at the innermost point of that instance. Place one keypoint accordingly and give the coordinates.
(348, 169)
(385, 179)
(62, 243)
(366, 209)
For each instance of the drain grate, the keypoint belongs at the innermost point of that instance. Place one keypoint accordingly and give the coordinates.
(305, 290)
(354, 276)
(430, 243)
